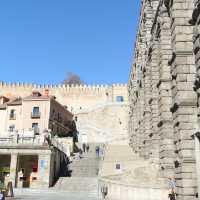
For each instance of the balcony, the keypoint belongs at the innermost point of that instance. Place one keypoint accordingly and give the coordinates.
(35, 115)
(12, 117)
(28, 139)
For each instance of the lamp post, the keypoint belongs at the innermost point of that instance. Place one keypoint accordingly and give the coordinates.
(196, 137)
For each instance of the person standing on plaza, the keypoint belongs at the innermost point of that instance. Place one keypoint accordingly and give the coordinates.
(104, 191)
(172, 188)
(87, 148)
(84, 147)
(97, 151)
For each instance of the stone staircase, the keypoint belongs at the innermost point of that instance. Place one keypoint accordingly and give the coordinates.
(87, 166)
(78, 184)
(84, 175)
(103, 135)
(100, 106)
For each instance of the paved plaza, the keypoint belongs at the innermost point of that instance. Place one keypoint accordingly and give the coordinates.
(52, 195)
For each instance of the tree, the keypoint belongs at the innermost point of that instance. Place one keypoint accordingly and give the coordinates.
(72, 79)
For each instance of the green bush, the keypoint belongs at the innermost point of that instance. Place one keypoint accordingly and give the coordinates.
(4, 169)
(2, 186)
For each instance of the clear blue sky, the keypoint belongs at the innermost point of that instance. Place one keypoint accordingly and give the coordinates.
(41, 40)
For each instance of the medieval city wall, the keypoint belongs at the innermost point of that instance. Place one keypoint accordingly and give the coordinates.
(74, 97)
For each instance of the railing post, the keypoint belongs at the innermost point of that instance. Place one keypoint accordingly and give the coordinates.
(13, 168)
(197, 155)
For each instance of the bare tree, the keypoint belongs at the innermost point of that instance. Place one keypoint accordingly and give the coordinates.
(72, 79)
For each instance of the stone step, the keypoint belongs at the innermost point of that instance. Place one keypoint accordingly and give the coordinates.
(77, 184)
(84, 175)
(87, 166)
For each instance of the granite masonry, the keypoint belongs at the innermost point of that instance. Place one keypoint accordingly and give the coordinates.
(164, 91)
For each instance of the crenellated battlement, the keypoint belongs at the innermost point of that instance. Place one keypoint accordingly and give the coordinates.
(60, 86)
(74, 96)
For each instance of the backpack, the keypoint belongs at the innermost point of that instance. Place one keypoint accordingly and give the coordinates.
(1, 196)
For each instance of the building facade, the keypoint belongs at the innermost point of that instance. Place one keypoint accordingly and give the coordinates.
(164, 91)
(36, 139)
(36, 112)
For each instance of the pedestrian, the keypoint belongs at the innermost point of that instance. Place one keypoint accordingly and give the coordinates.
(80, 153)
(97, 151)
(87, 148)
(104, 191)
(84, 147)
(172, 188)
(1, 196)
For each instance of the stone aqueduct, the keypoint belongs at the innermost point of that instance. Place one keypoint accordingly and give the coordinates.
(164, 91)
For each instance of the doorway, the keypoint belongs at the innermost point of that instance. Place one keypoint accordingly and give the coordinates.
(27, 164)
(4, 168)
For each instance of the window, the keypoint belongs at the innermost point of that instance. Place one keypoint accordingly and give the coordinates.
(11, 128)
(118, 166)
(35, 128)
(52, 128)
(34, 125)
(53, 111)
(36, 110)
(59, 118)
(119, 98)
(12, 114)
